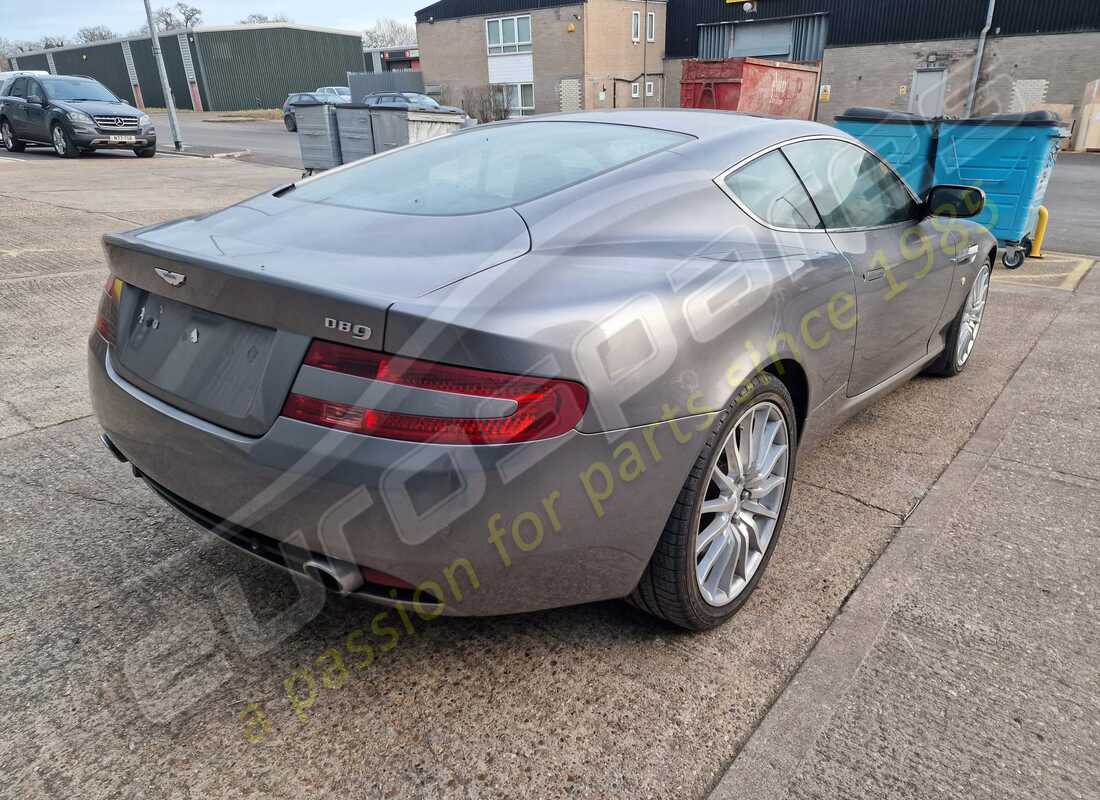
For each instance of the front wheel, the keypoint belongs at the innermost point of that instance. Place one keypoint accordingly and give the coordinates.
(11, 144)
(963, 333)
(724, 527)
(62, 144)
(291, 123)
(145, 152)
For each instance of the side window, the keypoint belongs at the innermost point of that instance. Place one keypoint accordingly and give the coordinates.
(34, 91)
(770, 189)
(851, 187)
(19, 88)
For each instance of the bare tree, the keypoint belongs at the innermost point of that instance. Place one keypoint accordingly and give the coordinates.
(13, 47)
(486, 103)
(261, 19)
(165, 18)
(49, 42)
(387, 32)
(191, 15)
(95, 33)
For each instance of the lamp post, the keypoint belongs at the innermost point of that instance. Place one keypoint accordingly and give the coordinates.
(169, 102)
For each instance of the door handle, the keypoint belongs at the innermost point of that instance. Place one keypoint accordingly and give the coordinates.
(967, 257)
(874, 274)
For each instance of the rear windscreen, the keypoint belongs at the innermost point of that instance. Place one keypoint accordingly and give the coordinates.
(487, 169)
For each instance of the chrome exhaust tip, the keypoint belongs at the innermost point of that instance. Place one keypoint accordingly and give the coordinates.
(336, 576)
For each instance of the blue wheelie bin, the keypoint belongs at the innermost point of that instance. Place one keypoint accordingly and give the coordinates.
(906, 141)
(1011, 157)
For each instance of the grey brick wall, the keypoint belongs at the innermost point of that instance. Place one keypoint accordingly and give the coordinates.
(1068, 61)
(876, 74)
(873, 75)
(557, 52)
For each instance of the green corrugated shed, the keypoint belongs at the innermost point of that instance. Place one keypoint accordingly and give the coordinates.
(258, 68)
(238, 67)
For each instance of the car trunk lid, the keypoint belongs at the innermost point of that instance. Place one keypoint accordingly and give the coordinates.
(218, 311)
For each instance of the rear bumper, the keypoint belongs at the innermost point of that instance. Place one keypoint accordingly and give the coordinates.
(414, 511)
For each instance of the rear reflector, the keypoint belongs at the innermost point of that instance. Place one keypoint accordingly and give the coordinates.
(106, 318)
(545, 407)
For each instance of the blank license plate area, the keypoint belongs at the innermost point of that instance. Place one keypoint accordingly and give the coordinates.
(210, 365)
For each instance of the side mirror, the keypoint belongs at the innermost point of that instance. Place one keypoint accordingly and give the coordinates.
(955, 201)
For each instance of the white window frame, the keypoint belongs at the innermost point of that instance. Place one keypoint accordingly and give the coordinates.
(502, 49)
(649, 88)
(651, 26)
(635, 90)
(635, 26)
(520, 110)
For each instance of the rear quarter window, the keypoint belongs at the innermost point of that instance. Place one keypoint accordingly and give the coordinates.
(486, 169)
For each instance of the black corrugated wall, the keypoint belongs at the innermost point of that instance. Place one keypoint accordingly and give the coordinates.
(149, 78)
(104, 62)
(853, 22)
(259, 68)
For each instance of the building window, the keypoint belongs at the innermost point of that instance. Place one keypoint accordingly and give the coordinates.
(636, 26)
(651, 27)
(519, 97)
(635, 90)
(649, 88)
(508, 35)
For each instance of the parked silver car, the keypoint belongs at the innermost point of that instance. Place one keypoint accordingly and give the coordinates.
(533, 363)
(414, 101)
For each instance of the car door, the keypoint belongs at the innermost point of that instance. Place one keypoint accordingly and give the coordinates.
(36, 119)
(902, 259)
(15, 106)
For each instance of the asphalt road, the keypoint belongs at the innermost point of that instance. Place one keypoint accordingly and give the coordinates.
(143, 658)
(1073, 199)
(266, 141)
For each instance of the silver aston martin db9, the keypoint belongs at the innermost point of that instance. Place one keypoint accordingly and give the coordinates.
(534, 363)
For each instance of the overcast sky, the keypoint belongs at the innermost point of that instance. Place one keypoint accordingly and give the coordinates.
(20, 19)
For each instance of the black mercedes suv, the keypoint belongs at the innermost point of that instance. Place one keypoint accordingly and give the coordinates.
(73, 115)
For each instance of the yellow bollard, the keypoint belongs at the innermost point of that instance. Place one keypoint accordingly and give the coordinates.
(1040, 233)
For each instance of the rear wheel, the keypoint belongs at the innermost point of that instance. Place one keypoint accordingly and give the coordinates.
(62, 144)
(11, 144)
(290, 122)
(963, 333)
(724, 527)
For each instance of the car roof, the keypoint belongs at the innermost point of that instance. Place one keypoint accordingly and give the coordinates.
(700, 123)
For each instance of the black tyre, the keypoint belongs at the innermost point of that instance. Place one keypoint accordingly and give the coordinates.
(62, 144)
(11, 144)
(145, 152)
(290, 122)
(963, 333)
(726, 522)
(1012, 258)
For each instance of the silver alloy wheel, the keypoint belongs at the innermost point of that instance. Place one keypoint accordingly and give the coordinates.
(740, 509)
(59, 140)
(9, 140)
(971, 321)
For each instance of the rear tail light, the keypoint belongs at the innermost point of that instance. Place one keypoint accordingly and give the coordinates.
(106, 318)
(545, 407)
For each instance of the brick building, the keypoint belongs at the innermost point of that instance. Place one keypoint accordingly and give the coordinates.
(909, 55)
(552, 55)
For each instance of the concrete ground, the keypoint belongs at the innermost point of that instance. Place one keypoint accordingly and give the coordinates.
(966, 663)
(128, 673)
(262, 141)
